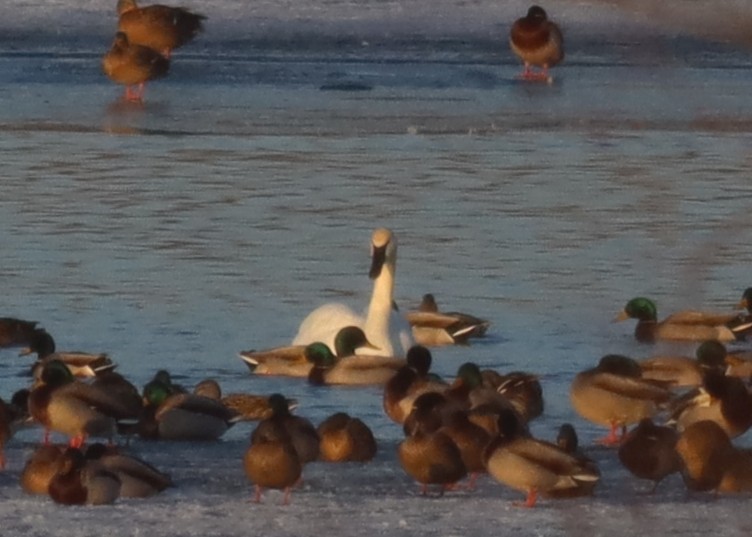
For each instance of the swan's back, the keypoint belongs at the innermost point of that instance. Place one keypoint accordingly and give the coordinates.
(323, 323)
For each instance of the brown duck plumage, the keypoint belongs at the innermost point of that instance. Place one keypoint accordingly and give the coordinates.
(133, 65)
(159, 27)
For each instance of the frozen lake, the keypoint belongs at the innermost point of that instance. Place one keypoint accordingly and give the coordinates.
(241, 195)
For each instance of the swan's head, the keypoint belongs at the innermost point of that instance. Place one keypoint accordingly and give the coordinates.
(383, 251)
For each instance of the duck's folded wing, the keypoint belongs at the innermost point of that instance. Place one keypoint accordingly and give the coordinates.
(706, 318)
(636, 388)
(97, 398)
(363, 362)
(198, 404)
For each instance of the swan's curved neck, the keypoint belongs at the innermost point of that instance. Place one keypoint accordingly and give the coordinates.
(380, 308)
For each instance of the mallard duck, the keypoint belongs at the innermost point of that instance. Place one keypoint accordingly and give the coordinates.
(722, 399)
(356, 370)
(567, 440)
(81, 364)
(521, 389)
(138, 479)
(426, 454)
(649, 451)
(384, 326)
(683, 371)
(15, 332)
(133, 66)
(705, 450)
(246, 406)
(121, 389)
(409, 382)
(182, 416)
(537, 41)
(271, 460)
(303, 434)
(291, 361)
(681, 326)
(12, 417)
(60, 403)
(471, 439)
(41, 467)
(79, 483)
(534, 466)
(614, 394)
(159, 27)
(739, 364)
(431, 327)
(344, 438)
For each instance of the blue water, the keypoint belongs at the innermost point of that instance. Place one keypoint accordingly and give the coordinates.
(241, 195)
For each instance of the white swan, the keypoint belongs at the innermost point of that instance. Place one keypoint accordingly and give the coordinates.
(385, 327)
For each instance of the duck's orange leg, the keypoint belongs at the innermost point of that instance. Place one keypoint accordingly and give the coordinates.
(286, 500)
(257, 494)
(532, 497)
(613, 438)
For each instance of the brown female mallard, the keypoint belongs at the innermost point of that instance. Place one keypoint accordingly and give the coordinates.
(538, 42)
(133, 66)
(159, 27)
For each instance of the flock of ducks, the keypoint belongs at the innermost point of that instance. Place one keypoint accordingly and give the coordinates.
(147, 35)
(664, 414)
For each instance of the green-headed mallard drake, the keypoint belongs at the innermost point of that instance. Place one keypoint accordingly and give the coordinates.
(614, 394)
(271, 461)
(722, 399)
(62, 404)
(521, 389)
(182, 416)
(15, 332)
(77, 482)
(649, 451)
(133, 65)
(138, 479)
(537, 41)
(41, 467)
(81, 364)
(409, 382)
(711, 462)
(681, 326)
(354, 371)
(469, 392)
(433, 328)
(426, 454)
(291, 361)
(159, 27)
(345, 438)
(534, 466)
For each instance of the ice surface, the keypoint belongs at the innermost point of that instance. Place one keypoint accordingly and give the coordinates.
(240, 196)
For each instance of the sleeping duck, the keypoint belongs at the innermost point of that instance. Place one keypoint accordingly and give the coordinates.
(614, 394)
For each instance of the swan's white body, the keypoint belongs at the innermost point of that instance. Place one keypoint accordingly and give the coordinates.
(385, 327)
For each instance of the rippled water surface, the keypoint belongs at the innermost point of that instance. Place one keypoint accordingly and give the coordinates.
(241, 195)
